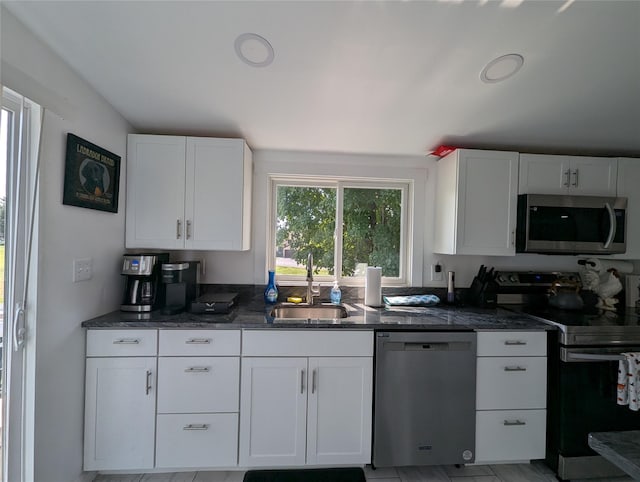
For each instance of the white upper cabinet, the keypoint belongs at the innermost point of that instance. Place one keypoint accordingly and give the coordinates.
(578, 175)
(188, 193)
(476, 198)
(628, 182)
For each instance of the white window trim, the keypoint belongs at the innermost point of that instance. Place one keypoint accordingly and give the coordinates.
(406, 186)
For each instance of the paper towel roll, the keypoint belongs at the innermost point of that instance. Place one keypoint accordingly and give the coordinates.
(602, 265)
(373, 286)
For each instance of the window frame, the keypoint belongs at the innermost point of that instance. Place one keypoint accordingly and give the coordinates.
(340, 183)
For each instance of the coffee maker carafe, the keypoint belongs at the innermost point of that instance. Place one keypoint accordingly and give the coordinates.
(142, 272)
(180, 285)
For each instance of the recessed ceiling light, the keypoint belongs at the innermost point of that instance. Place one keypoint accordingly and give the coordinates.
(254, 50)
(501, 68)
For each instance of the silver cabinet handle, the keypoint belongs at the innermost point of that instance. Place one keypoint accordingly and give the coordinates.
(513, 237)
(302, 381)
(513, 423)
(197, 370)
(148, 386)
(515, 369)
(575, 178)
(126, 341)
(514, 342)
(313, 381)
(188, 229)
(567, 174)
(198, 341)
(178, 230)
(196, 426)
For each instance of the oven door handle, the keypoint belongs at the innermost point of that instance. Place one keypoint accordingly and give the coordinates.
(569, 356)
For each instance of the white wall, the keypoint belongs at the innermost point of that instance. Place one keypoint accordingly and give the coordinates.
(65, 233)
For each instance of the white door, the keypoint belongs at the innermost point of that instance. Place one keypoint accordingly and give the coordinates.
(120, 405)
(214, 194)
(594, 176)
(155, 192)
(543, 174)
(339, 416)
(487, 199)
(20, 127)
(273, 411)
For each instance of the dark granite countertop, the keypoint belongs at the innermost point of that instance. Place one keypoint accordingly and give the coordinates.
(620, 448)
(441, 317)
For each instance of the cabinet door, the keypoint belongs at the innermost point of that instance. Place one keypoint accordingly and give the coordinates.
(487, 199)
(273, 411)
(543, 174)
(339, 416)
(628, 182)
(594, 176)
(155, 192)
(218, 181)
(120, 404)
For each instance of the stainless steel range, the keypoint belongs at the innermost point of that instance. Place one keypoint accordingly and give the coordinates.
(582, 372)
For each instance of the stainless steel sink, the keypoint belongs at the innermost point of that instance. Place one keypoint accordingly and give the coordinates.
(307, 312)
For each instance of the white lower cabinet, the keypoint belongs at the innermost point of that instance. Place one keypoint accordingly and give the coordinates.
(198, 399)
(197, 440)
(120, 406)
(511, 394)
(298, 410)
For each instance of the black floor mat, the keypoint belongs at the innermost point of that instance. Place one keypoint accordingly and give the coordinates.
(306, 475)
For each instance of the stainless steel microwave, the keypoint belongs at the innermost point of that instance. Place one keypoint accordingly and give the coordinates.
(557, 224)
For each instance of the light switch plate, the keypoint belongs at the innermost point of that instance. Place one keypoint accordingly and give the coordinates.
(82, 269)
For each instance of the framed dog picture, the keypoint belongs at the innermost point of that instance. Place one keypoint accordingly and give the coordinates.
(91, 176)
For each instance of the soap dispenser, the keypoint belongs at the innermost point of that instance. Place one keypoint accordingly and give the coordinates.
(336, 294)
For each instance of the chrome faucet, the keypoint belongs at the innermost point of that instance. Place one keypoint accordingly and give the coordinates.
(310, 291)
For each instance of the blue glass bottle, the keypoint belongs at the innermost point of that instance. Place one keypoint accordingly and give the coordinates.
(271, 291)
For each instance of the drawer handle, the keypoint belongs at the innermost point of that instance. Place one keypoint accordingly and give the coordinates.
(196, 426)
(514, 342)
(147, 388)
(513, 423)
(515, 369)
(127, 341)
(198, 341)
(197, 370)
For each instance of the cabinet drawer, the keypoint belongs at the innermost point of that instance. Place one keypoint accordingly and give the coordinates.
(198, 384)
(511, 382)
(510, 435)
(122, 342)
(512, 343)
(199, 342)
(307, 343)
(197, 440)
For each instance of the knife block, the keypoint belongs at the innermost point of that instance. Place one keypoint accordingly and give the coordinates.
(481, 294)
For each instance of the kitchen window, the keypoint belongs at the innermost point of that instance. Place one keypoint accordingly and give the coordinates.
(346, 224)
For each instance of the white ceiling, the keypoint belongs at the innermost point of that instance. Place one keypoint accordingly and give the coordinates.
(362, 76)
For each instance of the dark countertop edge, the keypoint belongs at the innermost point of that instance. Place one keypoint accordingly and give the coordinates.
(620, 448)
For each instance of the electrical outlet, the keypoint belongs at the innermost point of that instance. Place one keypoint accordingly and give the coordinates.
(82, 269)
(437, 272)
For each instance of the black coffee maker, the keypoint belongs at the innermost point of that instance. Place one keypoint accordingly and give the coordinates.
(142, 288)
(180, 285)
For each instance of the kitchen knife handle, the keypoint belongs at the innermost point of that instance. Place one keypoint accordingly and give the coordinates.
(178, 229)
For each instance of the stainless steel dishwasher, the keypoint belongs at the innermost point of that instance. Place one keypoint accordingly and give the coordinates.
(425, 398)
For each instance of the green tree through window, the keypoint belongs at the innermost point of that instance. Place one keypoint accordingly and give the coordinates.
(371, 231)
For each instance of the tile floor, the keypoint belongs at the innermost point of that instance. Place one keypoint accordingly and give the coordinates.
(534, 472)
